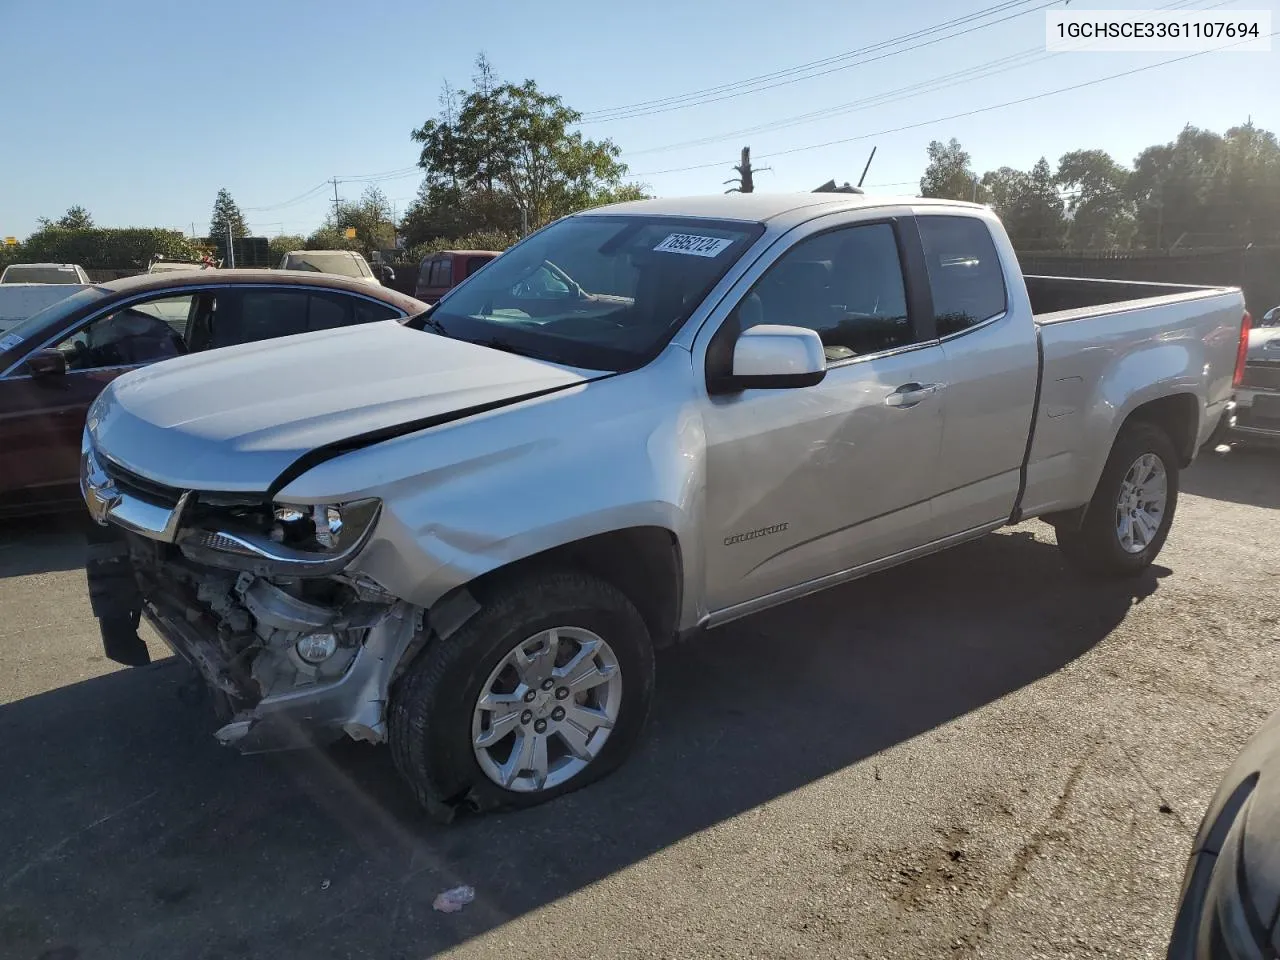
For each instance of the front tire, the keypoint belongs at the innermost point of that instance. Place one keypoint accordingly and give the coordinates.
(1128, 519)
(544, 690)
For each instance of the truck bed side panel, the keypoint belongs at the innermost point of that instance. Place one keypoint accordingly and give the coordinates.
(1099, 366)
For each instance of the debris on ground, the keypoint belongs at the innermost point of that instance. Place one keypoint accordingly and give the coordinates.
(451, 901)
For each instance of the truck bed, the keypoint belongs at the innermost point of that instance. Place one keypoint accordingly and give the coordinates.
(1055, 299)
(1132, 342)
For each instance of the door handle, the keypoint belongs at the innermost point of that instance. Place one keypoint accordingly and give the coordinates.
(909, 394)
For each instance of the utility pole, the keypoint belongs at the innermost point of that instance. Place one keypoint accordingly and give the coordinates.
(231, 246)
(745, 179)
(334, 181)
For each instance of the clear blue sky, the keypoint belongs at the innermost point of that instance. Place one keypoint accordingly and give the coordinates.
(141, 111)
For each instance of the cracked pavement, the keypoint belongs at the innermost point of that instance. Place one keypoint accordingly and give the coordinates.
(977, 755)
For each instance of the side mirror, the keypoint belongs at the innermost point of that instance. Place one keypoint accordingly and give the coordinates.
(47, 363)
(775, 357)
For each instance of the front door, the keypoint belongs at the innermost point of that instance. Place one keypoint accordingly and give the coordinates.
(42, 418)
(806, 483)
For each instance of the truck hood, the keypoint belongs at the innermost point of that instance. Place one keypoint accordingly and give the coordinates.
(235, 419)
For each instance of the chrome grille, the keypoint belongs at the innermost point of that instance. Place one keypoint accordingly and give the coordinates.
(131, 483)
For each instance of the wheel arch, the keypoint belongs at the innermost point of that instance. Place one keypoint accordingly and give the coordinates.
(645, 563)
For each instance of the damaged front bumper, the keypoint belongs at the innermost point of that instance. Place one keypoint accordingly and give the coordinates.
(295, 650)
(354, 704)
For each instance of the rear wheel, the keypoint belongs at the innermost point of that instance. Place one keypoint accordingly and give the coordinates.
(545, 690)
(1128, 519)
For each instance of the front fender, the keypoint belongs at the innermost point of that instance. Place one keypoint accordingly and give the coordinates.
(465, 499)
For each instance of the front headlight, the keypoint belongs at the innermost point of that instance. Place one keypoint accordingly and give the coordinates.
(300, 540)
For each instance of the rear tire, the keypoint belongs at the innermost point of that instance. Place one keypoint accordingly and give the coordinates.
(1099, 547)
(436, 715)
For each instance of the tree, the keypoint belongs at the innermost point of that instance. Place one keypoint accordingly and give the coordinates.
(504, 148)
(948, 175)
(1101, 213)
(277, 247)
(1170, 186)
(76, 218)
(225, 211)
(1029, 205)
(370, 217)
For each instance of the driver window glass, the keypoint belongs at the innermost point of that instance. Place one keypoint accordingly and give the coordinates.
(142, 333)
(845, 284)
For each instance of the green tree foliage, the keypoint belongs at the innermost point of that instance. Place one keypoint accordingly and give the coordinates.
(1098, 202)
(370, 216)
(488, 240)
(277, 247)
(97, 248)
(226, 211)
(948, 175)
(1028, 203)
(76, 218)
(503, 154)
(1202, 189)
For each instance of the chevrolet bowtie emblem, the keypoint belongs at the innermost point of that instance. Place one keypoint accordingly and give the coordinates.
(100, 494)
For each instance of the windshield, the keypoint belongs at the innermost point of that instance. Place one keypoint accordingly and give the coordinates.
(343, 264)
(40, 273)
(602, 292)
(38, 326)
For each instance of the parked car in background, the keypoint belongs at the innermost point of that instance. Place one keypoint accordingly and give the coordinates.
(1257, 409)
(56, 362)
(466, 534)
(44, 273)
(1229, 908)
(340, 263)
(441, 272)
(1271, 318)
(20, 300)
(178, 266)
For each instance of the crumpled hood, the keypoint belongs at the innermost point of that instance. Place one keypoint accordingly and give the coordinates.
(234, 419)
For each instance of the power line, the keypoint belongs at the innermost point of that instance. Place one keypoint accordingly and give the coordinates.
(978, 72)
(809, 71)
(955, 116)
(289, 203)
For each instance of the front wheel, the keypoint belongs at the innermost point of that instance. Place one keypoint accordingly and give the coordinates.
(1129, 517)
(546, 689)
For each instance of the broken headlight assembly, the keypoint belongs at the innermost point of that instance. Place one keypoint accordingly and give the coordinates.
(279, 540)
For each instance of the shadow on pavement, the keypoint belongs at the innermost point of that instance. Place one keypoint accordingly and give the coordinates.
(126, 832)
(42, 544)
(1247, 475)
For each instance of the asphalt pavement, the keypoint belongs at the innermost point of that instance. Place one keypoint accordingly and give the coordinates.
(976, 755)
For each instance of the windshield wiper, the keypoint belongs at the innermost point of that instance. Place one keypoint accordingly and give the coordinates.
(425, 321)
(493, 343)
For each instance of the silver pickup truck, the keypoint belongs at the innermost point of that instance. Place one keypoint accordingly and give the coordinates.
(466, 533)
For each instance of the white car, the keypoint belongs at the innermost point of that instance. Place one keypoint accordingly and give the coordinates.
(44, 273)
(177, 266)
(342, 263)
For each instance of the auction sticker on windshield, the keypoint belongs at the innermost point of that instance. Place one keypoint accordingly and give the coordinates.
(692, 245)
(9, 342)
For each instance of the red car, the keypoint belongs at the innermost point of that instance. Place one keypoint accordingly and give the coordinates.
(55, 363)
(441, 272)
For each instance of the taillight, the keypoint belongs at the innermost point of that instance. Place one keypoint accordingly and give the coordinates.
(1242, 351)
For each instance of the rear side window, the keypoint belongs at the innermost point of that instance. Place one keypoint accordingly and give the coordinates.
(964, 272)
(442, 272)
(366, 311)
